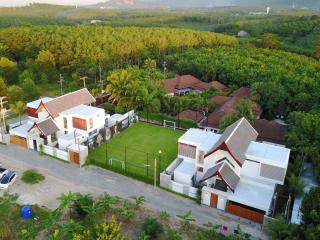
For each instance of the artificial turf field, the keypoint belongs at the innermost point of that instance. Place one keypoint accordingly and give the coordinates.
(138, 146)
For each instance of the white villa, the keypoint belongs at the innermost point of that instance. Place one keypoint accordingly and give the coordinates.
(237, 174)
(60, 122)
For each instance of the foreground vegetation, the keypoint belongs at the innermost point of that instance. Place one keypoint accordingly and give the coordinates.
(107, 217)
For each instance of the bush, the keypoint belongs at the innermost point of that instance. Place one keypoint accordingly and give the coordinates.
(198, 196)
(32, 176)
(151, 227)
(5, 232)
(109, 106)
(173, 234)
(41, 150)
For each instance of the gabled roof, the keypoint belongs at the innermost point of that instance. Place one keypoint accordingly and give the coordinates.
(236, 139)
(67, 101)
(220, 100)
(241, 93)
(46, 127)
(271, 131)
(225, 172)
(189, 81)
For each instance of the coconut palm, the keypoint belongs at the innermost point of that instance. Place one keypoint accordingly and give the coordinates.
(278, 229)
(66, 200)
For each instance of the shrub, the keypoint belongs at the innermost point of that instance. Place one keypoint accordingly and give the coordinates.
(151, 227)
(164, 216)
(198, 196)
(173, 234)
(109, 106)
(41, 150)
(5, 232)
(32, 176)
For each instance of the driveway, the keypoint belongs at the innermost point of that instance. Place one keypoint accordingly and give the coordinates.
(63, 177)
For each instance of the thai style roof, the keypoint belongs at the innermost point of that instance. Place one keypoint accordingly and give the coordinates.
(236, 139)
(46, 127)
(225, 172)
(188, 81)
(67, 101)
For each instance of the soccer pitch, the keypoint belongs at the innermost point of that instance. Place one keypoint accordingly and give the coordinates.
(134, 150)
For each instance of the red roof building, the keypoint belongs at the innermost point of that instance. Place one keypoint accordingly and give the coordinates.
(270, 131)
(181, 85)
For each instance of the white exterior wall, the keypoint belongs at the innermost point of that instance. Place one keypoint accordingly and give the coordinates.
(98, 122)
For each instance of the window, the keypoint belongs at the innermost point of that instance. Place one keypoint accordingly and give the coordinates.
(65, 122)
(200, 156)
(91, 122)
(79, 123)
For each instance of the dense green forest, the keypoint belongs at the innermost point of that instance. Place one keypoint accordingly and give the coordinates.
(284, 81)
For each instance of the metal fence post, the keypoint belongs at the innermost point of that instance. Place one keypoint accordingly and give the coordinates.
(107, 162)
(125, 159)
(147, 165)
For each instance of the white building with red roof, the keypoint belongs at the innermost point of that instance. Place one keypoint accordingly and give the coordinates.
(51, 119)
(236, 173)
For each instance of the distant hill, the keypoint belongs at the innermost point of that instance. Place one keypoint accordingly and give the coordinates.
(284, 3)
(141, 4)
(129, 4)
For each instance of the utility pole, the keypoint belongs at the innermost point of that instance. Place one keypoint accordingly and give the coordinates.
(3, 110)
(61, 83)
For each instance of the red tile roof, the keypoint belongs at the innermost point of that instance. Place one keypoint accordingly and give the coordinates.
(189, 81)
(271, 131)
(241, 93)
(220, 100)
(67, 101)
(192, 115)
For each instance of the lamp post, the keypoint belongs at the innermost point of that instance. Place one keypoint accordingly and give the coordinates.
(160, 152)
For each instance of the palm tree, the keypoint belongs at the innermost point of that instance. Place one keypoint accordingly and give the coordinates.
(105, 201)
(278, 229)
(66, 200)
(186, 219)
(71, 228)
(18, 108)
(296, 185)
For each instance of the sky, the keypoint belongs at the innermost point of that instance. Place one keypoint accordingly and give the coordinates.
(64, 2)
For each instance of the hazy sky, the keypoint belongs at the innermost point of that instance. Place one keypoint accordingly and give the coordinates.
(70, 2)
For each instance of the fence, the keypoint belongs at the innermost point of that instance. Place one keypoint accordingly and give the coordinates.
(55, 152)
(132, 161)
(158, 118)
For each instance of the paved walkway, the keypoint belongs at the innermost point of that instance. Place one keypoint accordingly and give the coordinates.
(63, 177)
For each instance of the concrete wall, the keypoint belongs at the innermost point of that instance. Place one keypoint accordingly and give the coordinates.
(55, 152)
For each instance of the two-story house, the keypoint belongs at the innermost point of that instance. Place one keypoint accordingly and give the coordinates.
(237, 174)
(60, 121)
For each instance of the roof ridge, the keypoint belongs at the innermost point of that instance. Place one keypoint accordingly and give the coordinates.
(67, 94)
(236, 127)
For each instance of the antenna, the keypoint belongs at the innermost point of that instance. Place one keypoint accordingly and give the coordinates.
(61, 83)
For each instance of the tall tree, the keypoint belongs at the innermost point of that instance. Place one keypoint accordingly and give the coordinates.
(18, 108)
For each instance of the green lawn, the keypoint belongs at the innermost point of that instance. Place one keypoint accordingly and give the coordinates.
(139, 145)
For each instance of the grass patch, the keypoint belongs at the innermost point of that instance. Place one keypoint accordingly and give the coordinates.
(138, 146)
(32, 176)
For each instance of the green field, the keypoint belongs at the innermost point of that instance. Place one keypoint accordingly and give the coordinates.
(138, 146)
